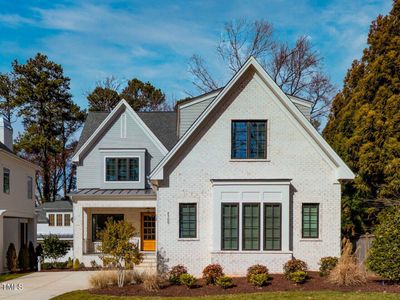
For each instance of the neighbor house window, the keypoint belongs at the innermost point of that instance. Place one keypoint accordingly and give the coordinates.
(272, 226)
(59, 219)
(249, 140)
(187, 220)
(99, 222)
(67, 220)
(6, 181)
(251, 226)
(122, 169)
(230, 226)
(30, 187)
(51, 220)
(310, 220)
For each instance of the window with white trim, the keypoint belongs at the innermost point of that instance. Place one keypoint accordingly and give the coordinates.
(122, 169)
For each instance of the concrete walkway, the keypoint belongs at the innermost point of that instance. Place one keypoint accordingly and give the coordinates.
(44, 285)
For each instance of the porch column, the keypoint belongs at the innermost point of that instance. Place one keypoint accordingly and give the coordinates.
(85, 230)
(78, 237)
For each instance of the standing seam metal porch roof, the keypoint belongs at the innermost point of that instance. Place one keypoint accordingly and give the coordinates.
(114, 192)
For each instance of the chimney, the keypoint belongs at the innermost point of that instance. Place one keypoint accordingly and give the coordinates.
(6, 133)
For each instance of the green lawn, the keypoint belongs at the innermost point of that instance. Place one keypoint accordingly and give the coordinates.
(259, 296)
(5, 277)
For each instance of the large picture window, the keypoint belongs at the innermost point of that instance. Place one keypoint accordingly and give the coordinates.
(122, 169)
(99, 222)
(251, 226)
(230, 226)
(310, 220)
(272, 226)
(249, 139)
(187, 220)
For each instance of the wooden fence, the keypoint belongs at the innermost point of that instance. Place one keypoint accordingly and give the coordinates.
(362, 246)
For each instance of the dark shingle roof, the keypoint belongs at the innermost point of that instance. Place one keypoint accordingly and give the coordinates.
(162, 124)
(57, 205)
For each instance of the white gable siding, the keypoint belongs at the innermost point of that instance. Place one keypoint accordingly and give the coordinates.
(129, 142)
(290, 155)
(189, 114)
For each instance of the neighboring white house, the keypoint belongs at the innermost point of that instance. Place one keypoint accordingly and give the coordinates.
(17, 196)
(56, 218)
(249, 180)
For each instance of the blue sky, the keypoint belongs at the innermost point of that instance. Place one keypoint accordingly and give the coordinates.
(153, 40)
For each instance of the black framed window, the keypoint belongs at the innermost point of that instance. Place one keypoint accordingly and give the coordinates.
(99, 222)
(30, 187)
(272, 226)
(6, 180)
(310, 220)
(249, 139)
(230, 226)
(122, 169)
(251, 226)
(187, 220)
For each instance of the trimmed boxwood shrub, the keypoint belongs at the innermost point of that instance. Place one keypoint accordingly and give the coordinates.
(175, 274)
(255, 270)
(259, 279)
(187, 280)
(299, 276)
(225, 282)
(294, 265)
(384, 254)
(327, 264)
(212, 272)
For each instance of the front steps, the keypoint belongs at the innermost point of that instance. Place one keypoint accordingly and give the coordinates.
(149, 263)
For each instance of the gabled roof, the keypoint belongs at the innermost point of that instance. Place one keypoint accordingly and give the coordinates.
(342, 170)
(8, 151)
(159, 126)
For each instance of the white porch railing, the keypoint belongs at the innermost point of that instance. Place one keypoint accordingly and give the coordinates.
(92, 247)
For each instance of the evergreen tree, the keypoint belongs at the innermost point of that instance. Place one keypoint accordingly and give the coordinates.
(364, 124)
(50, 119)
(11, 258)
(103, 99)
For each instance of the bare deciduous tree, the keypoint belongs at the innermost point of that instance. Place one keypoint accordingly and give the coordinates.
(297, 70)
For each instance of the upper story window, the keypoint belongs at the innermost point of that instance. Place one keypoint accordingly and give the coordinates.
(30, 187)
(249, 139)
(51, 220)
(6, 180)
(122, 169)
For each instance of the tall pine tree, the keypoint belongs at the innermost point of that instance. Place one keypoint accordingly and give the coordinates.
(364, 124)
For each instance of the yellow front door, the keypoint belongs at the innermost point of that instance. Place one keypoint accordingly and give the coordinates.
(148, 232)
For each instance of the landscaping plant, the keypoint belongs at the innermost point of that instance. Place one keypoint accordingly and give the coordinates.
(70, 263)
(258, 280)
(326, 265)
(299, 276)
(11, 258)
(32, 257)
(54, 248)
(347, 272)
(225, 282)
(384, 254)
(212, 272)
(103, 279)
(255, 270)
(187, 280)
(23, 258)
(294, 265)
(116, 247)
(175, 273)
(76, 264)
(151, 283)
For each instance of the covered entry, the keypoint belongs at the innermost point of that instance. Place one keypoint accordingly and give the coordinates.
(148, 231)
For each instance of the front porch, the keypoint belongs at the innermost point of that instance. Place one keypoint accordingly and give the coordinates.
(90, 218)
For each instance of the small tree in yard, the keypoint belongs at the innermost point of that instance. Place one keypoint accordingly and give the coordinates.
(117, 247)
(32, 257)
(384, 254)
(54, 248)
(11, 258)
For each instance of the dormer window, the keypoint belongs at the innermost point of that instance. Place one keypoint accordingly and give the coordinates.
(249, 139)
(122, 169)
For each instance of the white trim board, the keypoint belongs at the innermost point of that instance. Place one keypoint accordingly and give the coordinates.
(342, 170)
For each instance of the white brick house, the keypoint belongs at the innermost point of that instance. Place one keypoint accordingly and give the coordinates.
(249, 181)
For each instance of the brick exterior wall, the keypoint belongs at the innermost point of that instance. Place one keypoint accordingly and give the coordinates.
(291, 154)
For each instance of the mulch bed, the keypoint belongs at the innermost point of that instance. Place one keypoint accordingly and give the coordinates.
(70, 270)
(277, 283)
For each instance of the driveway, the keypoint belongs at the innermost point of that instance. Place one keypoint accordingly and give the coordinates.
(44, 285)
